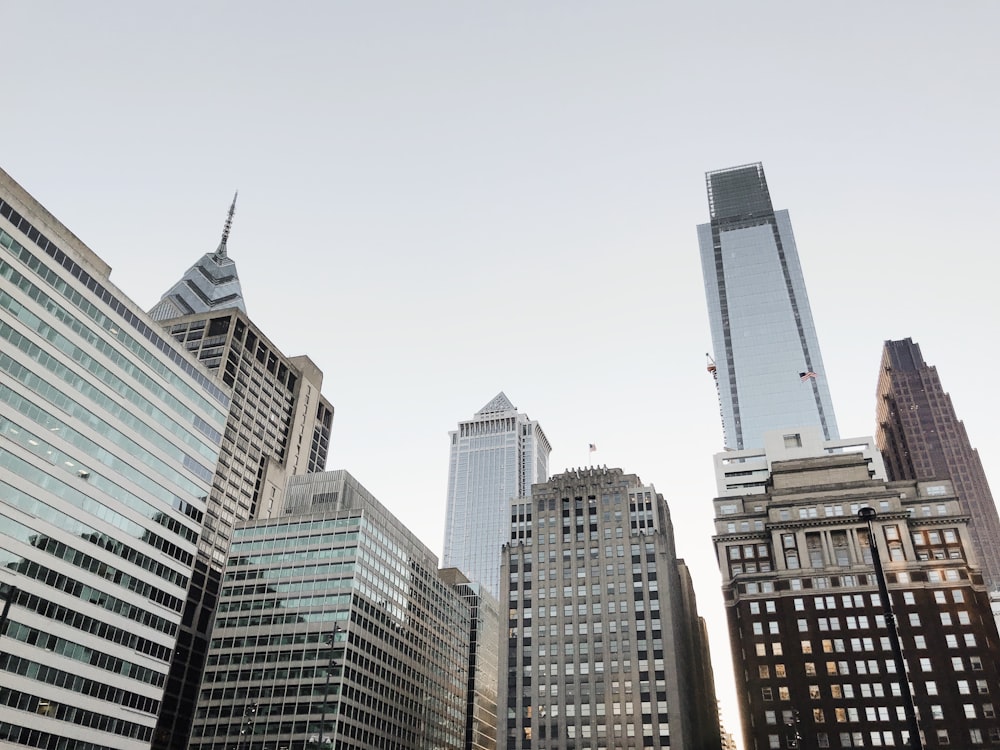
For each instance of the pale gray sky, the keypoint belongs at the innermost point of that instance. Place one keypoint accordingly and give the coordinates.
(442, 200)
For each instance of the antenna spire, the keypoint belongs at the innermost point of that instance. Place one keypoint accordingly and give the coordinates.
(221, 252)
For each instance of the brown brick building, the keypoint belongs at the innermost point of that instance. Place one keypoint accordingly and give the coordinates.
(921, 438)
(813, 661)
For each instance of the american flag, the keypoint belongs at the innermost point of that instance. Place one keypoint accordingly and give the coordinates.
(593, 447)
(804, 376)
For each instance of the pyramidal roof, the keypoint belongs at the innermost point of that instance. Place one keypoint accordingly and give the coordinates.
(499, 403)
(210, 284)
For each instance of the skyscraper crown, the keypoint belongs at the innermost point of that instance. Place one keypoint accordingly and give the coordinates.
(499, 403)
(738, 192)
(210, 284)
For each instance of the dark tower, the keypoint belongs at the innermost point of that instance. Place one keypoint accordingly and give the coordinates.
(921, 438)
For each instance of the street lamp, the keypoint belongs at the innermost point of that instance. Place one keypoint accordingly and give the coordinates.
(330, 640)
(868, 515)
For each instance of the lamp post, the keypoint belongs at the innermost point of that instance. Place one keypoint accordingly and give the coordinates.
(868, 515)
(330, 640)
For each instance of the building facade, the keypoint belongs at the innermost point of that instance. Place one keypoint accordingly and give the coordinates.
(921, 437)
(767, 363)
(812, 653)
(278, 426)
(484, 642)
(109, 435)
(495, 457)
(334, 629)
(602, 646)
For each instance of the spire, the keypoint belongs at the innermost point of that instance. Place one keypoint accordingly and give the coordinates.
(210, 284)
(221, 251)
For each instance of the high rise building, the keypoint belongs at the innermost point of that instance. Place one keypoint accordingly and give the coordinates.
(602, 646)
(484, 640)
(767, 363)
(334, 629)
(813, 655)
(921, 438)
(278, 426)
(495, 457)
(109, 435)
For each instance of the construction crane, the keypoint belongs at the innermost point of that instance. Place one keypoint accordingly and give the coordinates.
(714, 372)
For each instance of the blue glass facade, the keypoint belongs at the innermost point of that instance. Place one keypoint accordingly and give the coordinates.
(495, 457)
(334, 630)
(108, 439)
(769, 368)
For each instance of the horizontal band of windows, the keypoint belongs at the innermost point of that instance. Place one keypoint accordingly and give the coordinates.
(50, 423)
(35, 571)
(113, 302)
(85, 624)
(78, 684)
(97, 396)
(121, 363)
(39, 510)
(58, 518)
(46, 390)
(93, 657)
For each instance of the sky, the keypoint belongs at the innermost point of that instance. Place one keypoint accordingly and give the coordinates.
(439, 201)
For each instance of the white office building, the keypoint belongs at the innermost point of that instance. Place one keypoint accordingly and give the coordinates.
(109, 435)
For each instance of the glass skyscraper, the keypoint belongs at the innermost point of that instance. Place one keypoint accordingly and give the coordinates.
(768, 366)
(335, 632)
(495, 457)
(109, 435)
